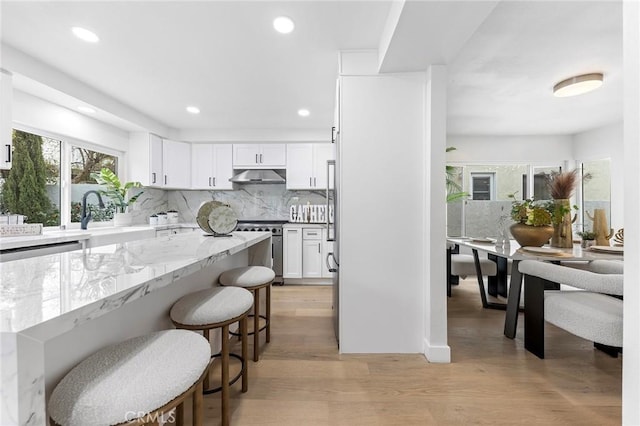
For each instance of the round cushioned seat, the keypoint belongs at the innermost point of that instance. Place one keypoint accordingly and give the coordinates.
(210, 306)
(134, 377)
(248, 276)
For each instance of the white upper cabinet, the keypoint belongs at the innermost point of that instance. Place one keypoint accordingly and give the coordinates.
(176, 164)
(6, 126)
(259, 156)
(299, 166)
(159, 162)
(155, 160)
(211, 166)
(145, 159)
(307, 165)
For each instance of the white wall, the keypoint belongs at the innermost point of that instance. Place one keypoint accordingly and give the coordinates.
(509, 149)
(631, 338)
(381, 214)
(436, 347)
(606, 142)
(37, 113)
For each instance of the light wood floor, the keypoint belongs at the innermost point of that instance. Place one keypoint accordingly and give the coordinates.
(302, 380)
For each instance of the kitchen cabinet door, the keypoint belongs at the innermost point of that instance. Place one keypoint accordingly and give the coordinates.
(246, 155)
(292, 253)
(6, 123)
(322, 153)
(201, 166)
(312, 258)
(260, 156)
(300, 166)
(211, 166)
(222, 166)
(273, 155)
(307, 165)
(145, 164)
(176, 164)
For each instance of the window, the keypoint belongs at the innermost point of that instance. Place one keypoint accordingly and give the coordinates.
(85, 162)
(482, 186)
(32, 186)
(35, 185)
(596, 190)
(488, 206)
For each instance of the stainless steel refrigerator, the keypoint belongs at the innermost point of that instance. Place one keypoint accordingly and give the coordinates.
(333, 255)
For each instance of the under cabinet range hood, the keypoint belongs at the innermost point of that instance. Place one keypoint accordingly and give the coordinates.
(257, 176)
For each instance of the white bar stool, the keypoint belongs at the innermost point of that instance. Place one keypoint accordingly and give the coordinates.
(253, 278)
(214, 308)
(134, 382)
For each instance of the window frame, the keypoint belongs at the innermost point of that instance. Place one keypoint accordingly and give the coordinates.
(66, 142)
(492, 184)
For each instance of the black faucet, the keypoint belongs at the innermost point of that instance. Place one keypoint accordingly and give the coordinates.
(84, 217)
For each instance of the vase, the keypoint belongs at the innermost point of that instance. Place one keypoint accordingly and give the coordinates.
(600, 227)
(562, 234)
(122, 219)
(532, 236)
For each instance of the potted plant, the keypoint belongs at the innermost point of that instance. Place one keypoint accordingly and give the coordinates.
(533, 222)
(117, 192)
(588, 238)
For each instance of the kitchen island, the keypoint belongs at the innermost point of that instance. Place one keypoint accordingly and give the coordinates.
(57, 309)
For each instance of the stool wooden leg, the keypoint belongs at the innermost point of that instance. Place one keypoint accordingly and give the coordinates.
(180, 413)
(205, 333)
(197, 405)
(268, 313)
(245, 353)
(256, 324)
(225, 375)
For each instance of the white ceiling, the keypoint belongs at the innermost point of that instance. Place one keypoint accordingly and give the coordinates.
(158, 57)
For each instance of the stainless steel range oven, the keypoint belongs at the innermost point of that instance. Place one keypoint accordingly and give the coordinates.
(275, 227)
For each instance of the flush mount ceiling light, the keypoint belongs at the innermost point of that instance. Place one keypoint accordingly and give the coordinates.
(193, 110)
(86, 109)
(578, 85)
(283, 24)
(85, 34)
(303, 112)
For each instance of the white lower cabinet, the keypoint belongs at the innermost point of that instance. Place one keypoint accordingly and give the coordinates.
(292, 253)
(311, 252)
(305, 250)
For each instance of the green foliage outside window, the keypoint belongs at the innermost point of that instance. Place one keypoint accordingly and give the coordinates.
(24, 190)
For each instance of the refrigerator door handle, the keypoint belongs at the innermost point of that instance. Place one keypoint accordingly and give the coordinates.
(329, 268)
(329, 164)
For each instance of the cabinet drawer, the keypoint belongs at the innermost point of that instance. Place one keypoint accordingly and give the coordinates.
(312, 234)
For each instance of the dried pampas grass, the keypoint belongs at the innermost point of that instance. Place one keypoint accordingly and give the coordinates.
(563, 184)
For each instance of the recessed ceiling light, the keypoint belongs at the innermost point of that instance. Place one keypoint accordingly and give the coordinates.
(193, 110)
(283, 24)
(578, 85)
(303, 112)
(85, 34)
(87, 109)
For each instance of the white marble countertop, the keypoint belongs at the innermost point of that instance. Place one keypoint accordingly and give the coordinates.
(62, 236)
(77, 286)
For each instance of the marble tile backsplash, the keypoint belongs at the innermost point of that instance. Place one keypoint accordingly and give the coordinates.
(151, 201)
(258, 201)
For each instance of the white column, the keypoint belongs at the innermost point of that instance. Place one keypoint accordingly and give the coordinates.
(631, 339)
(436, 348)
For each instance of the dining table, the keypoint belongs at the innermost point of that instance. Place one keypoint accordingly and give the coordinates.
(534, 304)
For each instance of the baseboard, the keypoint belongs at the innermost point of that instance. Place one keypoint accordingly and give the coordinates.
(437, 353)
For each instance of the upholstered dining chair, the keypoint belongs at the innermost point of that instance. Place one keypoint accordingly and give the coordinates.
(595, 313)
